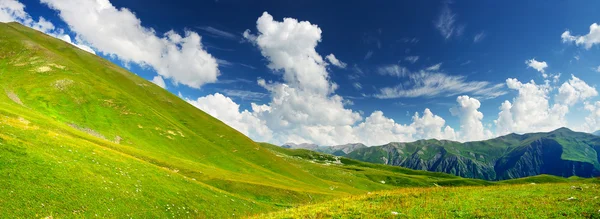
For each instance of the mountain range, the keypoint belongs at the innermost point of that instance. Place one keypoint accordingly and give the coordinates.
(561, 153)
(338, 150)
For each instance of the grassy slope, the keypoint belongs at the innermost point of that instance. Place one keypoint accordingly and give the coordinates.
(504, 201)
(80, 136)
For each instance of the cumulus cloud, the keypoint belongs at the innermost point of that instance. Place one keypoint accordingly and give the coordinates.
(378, 129)
(537, 65)
(119, 33)
(224, 109)
(573, 91)
(158, 80)
(588, 40)
(431, 126)
(530, 111)
(13, 10)
(471, 127)
(334, 61)
(304, 106)
(592, 121)
(290, 47)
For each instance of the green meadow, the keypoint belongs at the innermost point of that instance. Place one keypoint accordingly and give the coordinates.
(82, 137)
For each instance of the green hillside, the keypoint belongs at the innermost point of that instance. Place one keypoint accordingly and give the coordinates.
(561, 152)
(82, 137)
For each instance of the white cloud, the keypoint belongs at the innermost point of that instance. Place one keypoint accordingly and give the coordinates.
(589, 40)
(537, 65)
(393, 70)
(446, 23)
(427, 84)
(597, 69)
(435, 67)
(290, 46)
(245, 94)
(556, 77)
(530, 111)
(158, 80)
(13, 10)
(573, 91)
(378, 129)
(120, 33)
(334, 61)
(471, 128)
(67, 39)
(412, 59)
(357, 85)
(431, 126)
(304, 107)
(592, 121)
(368, 55)
(219, 33)
(479, 37)
(224, 109)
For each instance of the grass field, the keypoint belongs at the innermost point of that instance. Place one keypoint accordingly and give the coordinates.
(82, 137)
(561, 200)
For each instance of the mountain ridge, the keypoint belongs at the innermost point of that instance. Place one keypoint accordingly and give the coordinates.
(504, 157)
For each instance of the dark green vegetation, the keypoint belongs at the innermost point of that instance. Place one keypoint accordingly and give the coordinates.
(561, 152)
(80, 136)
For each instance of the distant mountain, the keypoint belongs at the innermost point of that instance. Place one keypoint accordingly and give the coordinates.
(596, 133)
(561, 152)
(338, 150)
(341, 150)
(312, 147)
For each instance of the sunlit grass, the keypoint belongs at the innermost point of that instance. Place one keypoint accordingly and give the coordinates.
(563, 200)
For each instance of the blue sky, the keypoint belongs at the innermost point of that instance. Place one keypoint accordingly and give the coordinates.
(386, 46)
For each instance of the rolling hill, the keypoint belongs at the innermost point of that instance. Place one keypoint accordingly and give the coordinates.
(82, 137)
(561, 152)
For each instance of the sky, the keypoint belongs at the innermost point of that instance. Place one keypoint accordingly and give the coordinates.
(364, 71)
